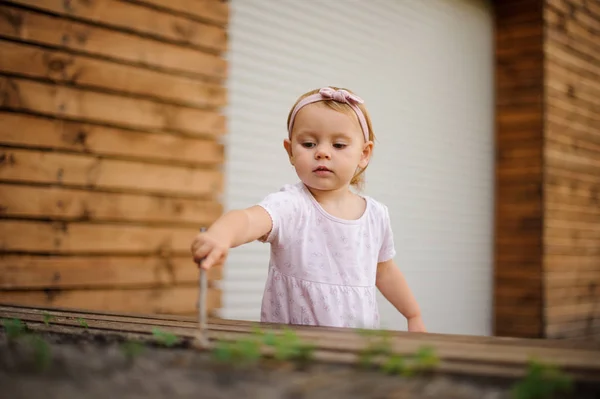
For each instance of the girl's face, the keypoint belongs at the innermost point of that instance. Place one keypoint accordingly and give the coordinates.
(327, 147)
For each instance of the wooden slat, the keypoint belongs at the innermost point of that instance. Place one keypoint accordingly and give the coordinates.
(572, 312)
(56, 203)
(66, 34)
(130, 16)
(61, 101)
(146, 300)
(45, 133)
(578, 294)
(89, 238)
(574, 263)
(79, 70)
(50, 272)
(210, 10)
(18, 165)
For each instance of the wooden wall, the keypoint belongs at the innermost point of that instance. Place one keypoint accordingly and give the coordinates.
(109, 150)
(572, 171)
(547, 265)
(518, 291)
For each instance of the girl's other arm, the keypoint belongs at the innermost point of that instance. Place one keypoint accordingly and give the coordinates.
(392, 284)
(231, 230)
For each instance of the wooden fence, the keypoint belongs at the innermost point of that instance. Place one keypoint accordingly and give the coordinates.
(110, 159)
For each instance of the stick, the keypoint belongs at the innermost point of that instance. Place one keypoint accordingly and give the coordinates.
(201, 338)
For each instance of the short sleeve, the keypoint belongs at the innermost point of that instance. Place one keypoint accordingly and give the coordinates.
(282, 207)
(387, 250)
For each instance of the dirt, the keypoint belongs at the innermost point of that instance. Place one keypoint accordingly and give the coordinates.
(96, 367)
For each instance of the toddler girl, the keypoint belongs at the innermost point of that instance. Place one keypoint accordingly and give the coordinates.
(330, 248)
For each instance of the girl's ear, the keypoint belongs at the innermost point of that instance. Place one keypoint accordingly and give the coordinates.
(287, 144)
(365, 156)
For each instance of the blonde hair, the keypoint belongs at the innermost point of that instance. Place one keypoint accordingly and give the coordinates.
(358, 178)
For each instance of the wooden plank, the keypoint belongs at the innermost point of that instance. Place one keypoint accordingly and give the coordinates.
(567, 142)
(207, 10)
(86, 171)
(51, 272)
(145, 300)
(62, 204)
(576, 129)
(556, 158)
(562, 80)
(572, 312)
(66, 34)
(573, 328)
(93, 239)
(136, 18)
(45, 133)
(579, 294)
(575, 26)
(556, 53)
(478, 349)
(61, 101)
(83, 71)
(586, 219)
(526, 272)
(585, 231)
(574, 263)
(571, 248)
(572, 102)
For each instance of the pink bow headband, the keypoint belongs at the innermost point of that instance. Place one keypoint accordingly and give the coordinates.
(342, 96)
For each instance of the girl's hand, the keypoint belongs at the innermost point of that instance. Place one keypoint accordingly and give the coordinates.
(415, 324)
(208, 250)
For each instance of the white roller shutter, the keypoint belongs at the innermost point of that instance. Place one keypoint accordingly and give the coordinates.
(425, 71)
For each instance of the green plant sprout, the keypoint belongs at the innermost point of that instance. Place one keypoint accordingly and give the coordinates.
(541, 381)
(379, 347)
(48, 318)
(288, 346)
(41, 351)
(244, 351)
(15, 328)
(165, 338)
(131, 350)
(82, 323)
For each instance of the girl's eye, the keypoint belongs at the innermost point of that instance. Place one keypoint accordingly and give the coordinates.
(339, 146)
(308, 145)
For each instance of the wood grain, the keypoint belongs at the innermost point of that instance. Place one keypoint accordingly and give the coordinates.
(144, 300)
(99, 74)
(94, 239)
(28, 166)
(83, 38)
(67, 102)
(47, 133)
(139, 19)
(63, 204)
(111, 272)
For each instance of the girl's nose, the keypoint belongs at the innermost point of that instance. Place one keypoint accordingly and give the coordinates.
(322, 153)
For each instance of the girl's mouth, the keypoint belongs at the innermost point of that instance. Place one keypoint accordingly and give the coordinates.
(322, 169)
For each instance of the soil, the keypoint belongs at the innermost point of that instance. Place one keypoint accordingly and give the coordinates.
(95, 366)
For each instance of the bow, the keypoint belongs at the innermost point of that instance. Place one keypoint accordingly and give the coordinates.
(342, 96)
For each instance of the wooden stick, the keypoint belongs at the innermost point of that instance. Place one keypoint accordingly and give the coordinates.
(202, 341)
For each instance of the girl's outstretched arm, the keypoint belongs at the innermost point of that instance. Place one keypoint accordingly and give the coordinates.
(392, 284)
(232, 229)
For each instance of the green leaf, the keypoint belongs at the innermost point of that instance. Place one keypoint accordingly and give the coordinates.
(82, 322)
(14, 328)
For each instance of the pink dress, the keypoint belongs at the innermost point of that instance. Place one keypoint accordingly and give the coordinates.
(322, 268)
